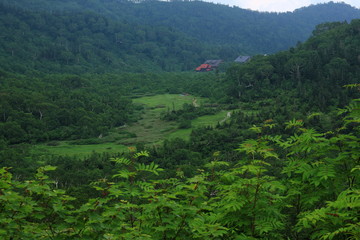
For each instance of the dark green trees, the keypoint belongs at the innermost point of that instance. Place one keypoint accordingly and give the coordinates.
(305, 186)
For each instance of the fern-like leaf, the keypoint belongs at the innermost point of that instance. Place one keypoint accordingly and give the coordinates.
(121, 161)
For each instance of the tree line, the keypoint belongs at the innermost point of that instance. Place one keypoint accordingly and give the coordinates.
(89, 42)
(243, 31)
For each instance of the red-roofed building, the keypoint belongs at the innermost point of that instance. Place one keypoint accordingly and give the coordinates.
(203, 68)
(209, 65)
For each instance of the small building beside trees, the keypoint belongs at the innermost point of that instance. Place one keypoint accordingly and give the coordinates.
(242, 59)
(208, 65)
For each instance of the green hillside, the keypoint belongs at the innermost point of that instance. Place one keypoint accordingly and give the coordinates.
(89, 42)
(249, 32)
(120, 36)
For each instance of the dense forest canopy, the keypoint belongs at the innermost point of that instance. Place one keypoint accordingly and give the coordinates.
(81, 36)
(248, 32)
(89, 42)
(283, 164)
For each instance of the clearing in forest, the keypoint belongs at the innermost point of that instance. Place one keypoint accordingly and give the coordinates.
(152, 129)
(149, 129)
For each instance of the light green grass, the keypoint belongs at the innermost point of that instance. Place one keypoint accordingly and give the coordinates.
(180, 133)
(65, 148)
(207, 120)
(157, 104)
(167, 101)
(150, 129)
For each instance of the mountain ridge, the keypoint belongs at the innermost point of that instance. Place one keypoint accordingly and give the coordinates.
(117, 36)
(214, 23)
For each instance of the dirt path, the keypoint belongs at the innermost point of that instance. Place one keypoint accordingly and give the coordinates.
(228, 115)
(195, 104)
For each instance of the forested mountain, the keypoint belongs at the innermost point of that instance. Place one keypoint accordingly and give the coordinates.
(251, 31)
(89, 42)
(315, 70)
(110, 36)
(246, 31)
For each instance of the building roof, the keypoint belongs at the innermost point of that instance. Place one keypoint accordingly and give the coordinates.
(242, 59)
(213, 63)
(203, 67)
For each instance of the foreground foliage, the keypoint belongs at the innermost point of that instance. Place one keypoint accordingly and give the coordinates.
(305, 186)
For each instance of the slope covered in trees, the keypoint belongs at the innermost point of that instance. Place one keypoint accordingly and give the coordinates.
(89, 42)
(252, 31)
(110, 36)
(247, 31)
(315, 70)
